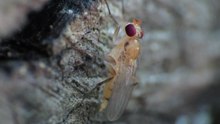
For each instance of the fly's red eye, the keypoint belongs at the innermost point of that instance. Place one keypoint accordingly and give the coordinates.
(130, 30)
(142, 34)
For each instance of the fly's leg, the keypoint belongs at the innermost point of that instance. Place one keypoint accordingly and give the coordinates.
(115, 35)
(123, 10)
(111, 72)
(107, 92)
(103, 105)
(110, 59)
(111, 13)
(117, 29)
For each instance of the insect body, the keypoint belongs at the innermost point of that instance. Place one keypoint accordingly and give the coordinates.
(123, 61)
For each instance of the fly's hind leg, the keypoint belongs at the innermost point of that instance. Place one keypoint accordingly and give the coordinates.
(107, 92)
(103, 105)
(111, 73)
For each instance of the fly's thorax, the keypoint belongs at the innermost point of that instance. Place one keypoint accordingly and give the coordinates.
(118, 50)
(132, 49)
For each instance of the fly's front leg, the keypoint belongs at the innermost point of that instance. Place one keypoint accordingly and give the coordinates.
(111, 13)
(117, 29)
(115, 35)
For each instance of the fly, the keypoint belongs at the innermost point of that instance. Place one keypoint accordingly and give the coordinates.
(123, 64)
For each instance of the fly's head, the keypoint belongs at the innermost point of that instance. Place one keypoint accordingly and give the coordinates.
(132, 47)
(133, 30)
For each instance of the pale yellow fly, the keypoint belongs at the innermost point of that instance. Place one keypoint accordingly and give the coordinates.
(123, 63)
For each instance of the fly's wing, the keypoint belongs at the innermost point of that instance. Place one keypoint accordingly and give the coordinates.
(121, 92)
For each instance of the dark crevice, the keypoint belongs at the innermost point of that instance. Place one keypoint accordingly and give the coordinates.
(35, 39)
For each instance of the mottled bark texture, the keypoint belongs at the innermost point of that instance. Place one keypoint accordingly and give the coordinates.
(180, 62)
(52, 66)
